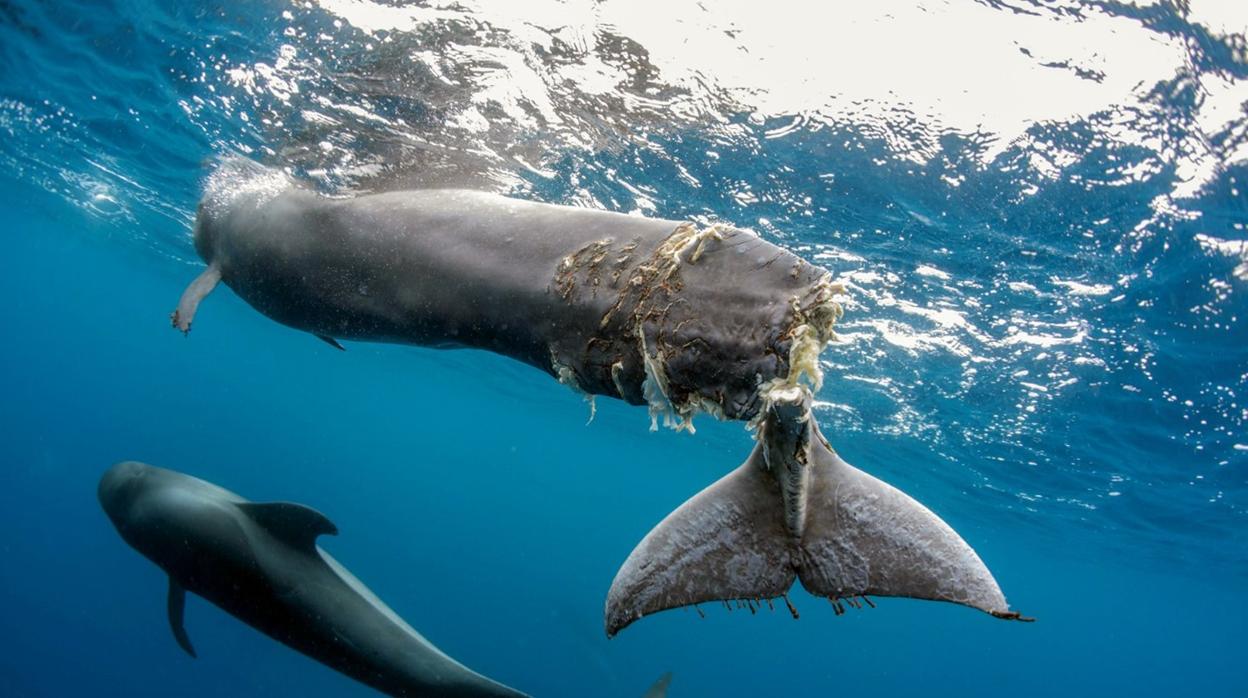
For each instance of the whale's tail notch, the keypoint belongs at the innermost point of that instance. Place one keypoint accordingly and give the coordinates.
(794, 509)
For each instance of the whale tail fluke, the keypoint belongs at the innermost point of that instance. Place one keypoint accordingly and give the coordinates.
(727, 542)
(794, 509)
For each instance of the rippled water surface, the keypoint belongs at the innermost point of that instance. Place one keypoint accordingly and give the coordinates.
(1038, 209)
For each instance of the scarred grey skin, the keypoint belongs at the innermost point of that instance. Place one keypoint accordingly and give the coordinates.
(260, 563)
(552, 286)
(655, 312)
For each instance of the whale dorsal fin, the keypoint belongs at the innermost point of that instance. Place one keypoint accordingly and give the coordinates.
(177, 608)
(297, 525)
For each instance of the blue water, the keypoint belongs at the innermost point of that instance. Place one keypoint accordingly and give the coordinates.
(1038, 209)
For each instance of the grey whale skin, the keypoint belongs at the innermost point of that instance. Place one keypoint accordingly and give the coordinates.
(577, 293)
(260, 563)
(655, 312)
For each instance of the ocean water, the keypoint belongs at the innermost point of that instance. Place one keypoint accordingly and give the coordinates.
(1038, 209)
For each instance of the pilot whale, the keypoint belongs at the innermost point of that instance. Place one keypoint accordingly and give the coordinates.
(683, 318)
(260, 563)
(655, 312)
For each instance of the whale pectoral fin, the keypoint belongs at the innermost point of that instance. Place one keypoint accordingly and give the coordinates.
(189, 303)
(866, 537)
(330, 341)
(727, 542)
(297, 525)
(177, 608)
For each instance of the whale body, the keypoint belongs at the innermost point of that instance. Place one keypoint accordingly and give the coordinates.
(260, 563)
(682, 318)
(646, 310)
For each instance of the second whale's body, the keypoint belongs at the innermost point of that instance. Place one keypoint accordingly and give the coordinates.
(260, 563)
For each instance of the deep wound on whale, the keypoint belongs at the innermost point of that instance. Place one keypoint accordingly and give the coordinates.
(681, 318)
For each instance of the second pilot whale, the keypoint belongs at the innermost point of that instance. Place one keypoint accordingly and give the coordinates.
(260, 563)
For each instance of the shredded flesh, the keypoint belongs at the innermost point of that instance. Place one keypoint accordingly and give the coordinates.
(811, 327)
(812, 330)
(565, 375)
(687, 238)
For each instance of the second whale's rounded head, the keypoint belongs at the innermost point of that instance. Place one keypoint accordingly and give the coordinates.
(165, 515)
(120, 487)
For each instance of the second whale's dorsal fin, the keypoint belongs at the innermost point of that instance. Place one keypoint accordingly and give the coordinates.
(177, 610)
(297, 525)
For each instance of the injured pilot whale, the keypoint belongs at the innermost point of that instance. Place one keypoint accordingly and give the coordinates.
(656, 312)
(664, 313)
(260, 563)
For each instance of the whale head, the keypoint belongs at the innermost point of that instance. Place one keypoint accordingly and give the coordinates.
(202, 235)
(167, 516)
(120, 487)
(235, 190)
